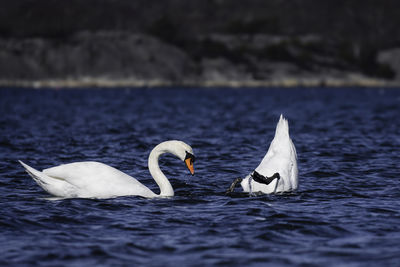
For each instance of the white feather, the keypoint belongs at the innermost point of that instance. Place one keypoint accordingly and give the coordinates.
(97, 180)
(281, 158)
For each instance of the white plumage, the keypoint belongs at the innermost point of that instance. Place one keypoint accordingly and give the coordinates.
(97, 180)
(281, 158)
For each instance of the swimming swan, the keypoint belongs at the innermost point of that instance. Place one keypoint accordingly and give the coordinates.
(277, 171)
(97, 180)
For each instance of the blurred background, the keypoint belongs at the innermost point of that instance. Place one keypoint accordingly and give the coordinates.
(199, 43)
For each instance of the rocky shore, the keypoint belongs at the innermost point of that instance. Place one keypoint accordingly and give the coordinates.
(109, 59)
(146, 43)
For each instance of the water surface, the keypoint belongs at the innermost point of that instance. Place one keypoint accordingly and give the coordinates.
(346, 211)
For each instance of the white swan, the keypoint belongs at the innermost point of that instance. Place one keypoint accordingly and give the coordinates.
(277, 171)
(98, 180)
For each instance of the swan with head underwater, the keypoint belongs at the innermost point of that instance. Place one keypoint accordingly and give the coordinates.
(97, 180)
(277, 171)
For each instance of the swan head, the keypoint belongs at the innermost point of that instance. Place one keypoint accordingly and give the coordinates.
(185, 153)
(180, 149)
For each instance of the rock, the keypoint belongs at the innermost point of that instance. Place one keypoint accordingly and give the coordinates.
(391, 58)
(126, 59)
(111, 55)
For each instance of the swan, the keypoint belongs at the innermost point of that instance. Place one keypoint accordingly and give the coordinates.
(97, 180)
(277, 171)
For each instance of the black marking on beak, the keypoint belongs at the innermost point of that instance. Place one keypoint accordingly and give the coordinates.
(190, 156)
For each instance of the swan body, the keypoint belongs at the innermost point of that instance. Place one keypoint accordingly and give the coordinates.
(281, 159)
(97, 180)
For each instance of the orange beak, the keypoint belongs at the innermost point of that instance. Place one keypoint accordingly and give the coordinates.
(189, 165)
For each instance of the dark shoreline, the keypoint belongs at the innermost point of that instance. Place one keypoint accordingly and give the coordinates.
(204, 44)
(137, 60)
(288, 83)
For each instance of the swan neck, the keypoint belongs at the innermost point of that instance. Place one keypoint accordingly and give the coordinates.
(166, 189)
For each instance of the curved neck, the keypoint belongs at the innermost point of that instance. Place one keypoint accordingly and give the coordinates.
(166, 189)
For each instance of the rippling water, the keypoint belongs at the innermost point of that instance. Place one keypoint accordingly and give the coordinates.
(346, 211)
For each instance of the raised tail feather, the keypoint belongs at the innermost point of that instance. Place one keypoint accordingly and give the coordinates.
(38, 176)
(52, 185)
(282, 128)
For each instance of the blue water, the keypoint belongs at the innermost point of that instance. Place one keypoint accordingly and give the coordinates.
(346, 211)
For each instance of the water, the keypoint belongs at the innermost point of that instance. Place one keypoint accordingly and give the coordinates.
(346, 211)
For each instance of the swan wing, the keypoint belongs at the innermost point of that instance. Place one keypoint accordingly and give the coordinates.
(294, 172)
(98, 180)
